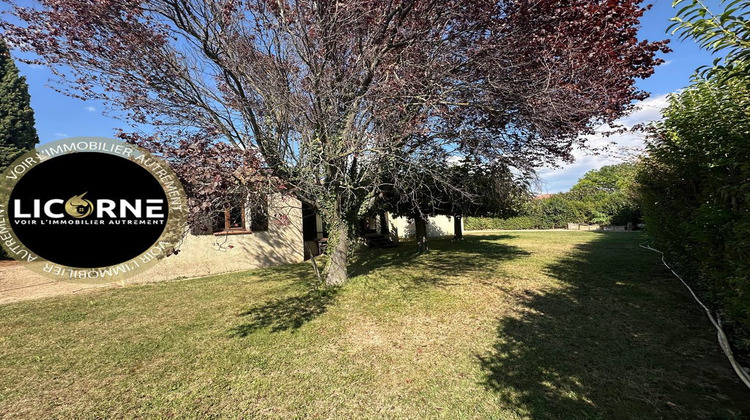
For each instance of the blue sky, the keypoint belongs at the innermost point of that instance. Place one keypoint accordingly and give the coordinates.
(59, 116)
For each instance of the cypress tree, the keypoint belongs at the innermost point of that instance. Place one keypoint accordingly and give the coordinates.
(17, 132)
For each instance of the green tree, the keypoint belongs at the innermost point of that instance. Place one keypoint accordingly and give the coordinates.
(602, 196)
(608, 195)
(17, 132)
(608, 179)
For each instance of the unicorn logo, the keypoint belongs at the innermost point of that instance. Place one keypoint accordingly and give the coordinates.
(79, 207)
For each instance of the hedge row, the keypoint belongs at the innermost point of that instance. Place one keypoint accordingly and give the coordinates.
(493, 223)
(695, 185)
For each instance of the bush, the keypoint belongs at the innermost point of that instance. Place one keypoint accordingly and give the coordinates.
(493, 223)
(556, 211)
(695, 186)
(550, 213)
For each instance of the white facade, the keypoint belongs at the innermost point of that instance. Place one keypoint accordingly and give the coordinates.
(436, 226)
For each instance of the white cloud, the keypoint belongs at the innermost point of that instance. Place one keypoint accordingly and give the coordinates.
(615, 148)
(90, 108)
(646, 111)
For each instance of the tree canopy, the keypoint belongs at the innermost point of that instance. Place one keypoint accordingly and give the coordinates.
(607, 179)
(608, 195)
(337, 97)
(17, 132)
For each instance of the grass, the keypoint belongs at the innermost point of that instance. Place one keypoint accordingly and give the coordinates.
(522, 325)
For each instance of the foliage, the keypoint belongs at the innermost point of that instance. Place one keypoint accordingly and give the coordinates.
(555, 211)
(727, 31)
(337, 97)
(216, 176)
(696, 190)
(696, 179)
(604, 196)
(496, 223)
(608, 195)
(17, 132)
(466, 187)
(547, 213)
(607, 180)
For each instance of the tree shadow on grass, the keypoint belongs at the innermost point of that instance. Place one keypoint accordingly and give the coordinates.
(288, 313)
(618, 339)
(445, 260)
(403, 265)
(299, 274)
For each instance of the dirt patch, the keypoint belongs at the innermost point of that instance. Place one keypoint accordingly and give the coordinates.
(18, 283)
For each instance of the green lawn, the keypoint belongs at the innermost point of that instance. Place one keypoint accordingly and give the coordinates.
(521, 325)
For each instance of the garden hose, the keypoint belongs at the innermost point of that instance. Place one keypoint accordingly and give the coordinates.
(723, 342)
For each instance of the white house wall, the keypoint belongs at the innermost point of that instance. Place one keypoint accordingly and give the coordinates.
(436, 226)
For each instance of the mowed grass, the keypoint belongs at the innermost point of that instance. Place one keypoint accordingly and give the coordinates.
(552, 325)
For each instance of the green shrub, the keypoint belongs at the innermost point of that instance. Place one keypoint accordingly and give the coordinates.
(556, 211)
(695, 186)
(494, 223)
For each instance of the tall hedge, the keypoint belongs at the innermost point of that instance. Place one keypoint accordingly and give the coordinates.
(695, 186)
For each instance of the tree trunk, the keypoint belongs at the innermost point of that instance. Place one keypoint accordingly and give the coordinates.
(384, 228)
(458, 232)
(420, 225)
(338, 243)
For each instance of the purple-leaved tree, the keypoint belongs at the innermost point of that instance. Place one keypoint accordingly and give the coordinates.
(334, 98)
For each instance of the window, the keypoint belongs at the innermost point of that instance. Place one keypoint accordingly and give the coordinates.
(230, 221)
(234, 220)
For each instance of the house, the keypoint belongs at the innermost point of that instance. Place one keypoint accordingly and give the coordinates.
(237, 246)
(437, 226)
(284, 231)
